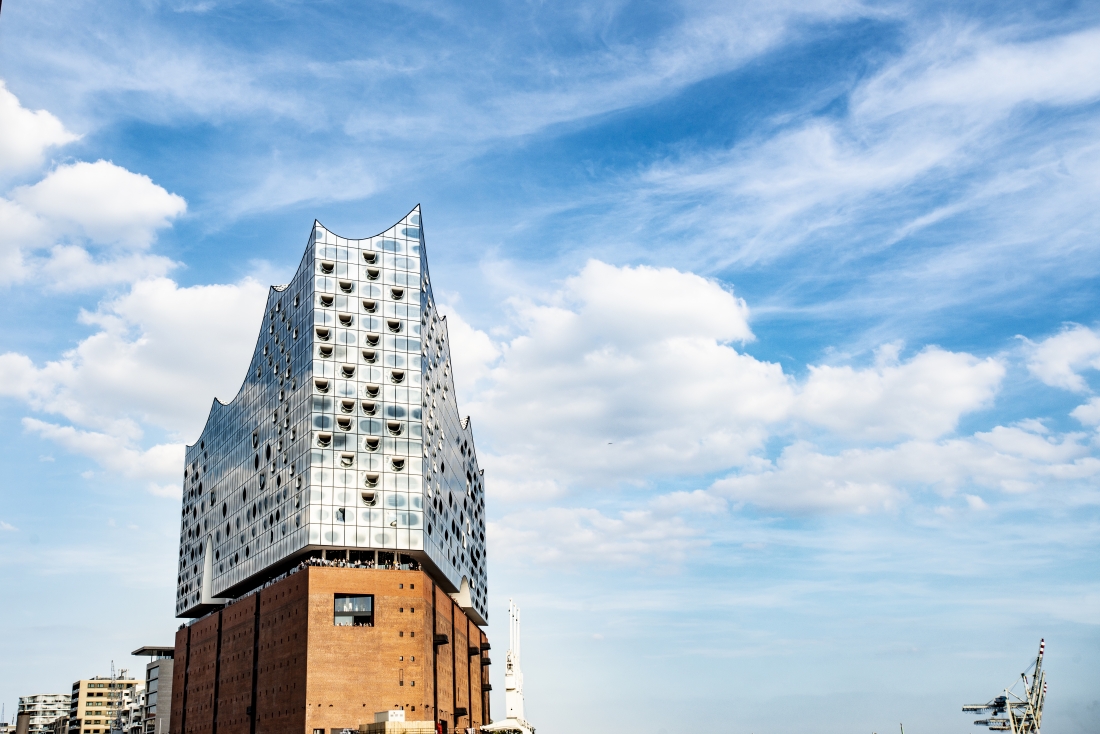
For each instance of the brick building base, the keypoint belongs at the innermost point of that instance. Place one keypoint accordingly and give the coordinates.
(275, 662)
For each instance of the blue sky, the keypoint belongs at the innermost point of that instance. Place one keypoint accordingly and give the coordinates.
(777, 324)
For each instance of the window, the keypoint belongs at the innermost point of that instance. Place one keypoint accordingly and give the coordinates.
(354, 610)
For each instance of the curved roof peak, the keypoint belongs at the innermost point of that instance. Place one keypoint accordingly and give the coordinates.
(414, 211)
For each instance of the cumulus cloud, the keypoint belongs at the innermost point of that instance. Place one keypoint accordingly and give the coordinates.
(472, 351)
(624, 374)
(159, 354)
(102, 202)
(113, 452)
(922, 398)
(83, 225)
(621, 377)
(974, 502)
(572, 535)
(27, 134)
(697, 501)
(1059, 360)
(627, 375)
(1007, 459)
(1088, 413)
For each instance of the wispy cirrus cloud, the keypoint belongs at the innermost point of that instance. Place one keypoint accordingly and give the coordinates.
(911, 194)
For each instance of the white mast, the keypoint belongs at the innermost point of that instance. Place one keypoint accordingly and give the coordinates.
(513, 676)
(514, 723)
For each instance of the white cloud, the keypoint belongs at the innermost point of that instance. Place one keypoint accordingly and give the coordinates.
(922, 398)
(626, 374)
(976, 73)
(803, 480)
(1007, 459)
(1059, 360)
(914, 147)
(1089, 413)
(974, 502)
(114, 453)
(71, 267)
(472, 351)
(7, 526)
(27, 134)
(18, 229)
(171, 491)
(159, 356)
(103, 202)
(622, 375)
(697, 501)
(84, 225)
(577, 535)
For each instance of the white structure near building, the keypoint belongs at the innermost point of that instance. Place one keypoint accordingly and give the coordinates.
(515, 723)
(42, 710)
(345, 435)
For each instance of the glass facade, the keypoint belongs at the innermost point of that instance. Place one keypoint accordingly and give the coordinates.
(345, 434)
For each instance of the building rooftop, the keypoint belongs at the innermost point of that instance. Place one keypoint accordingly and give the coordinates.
(154, 651)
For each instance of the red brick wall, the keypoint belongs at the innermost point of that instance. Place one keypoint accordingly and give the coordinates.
(179, 672)
(311, 674)
(198, 713)
(235, 669)
(281, 683)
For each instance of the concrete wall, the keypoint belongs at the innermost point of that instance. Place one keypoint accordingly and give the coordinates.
(158, 724)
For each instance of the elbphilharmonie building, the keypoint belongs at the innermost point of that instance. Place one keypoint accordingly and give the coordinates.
(345, 435)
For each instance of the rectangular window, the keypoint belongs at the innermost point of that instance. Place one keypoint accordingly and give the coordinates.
(354, 610)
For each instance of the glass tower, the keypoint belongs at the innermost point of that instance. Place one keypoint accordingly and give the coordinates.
(344, 435)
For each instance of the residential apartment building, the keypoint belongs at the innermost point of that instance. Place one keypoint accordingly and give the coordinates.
(41, 710)
(95, 702)
(130, 718)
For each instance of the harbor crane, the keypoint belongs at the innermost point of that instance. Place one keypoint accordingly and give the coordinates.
(1017, 713)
